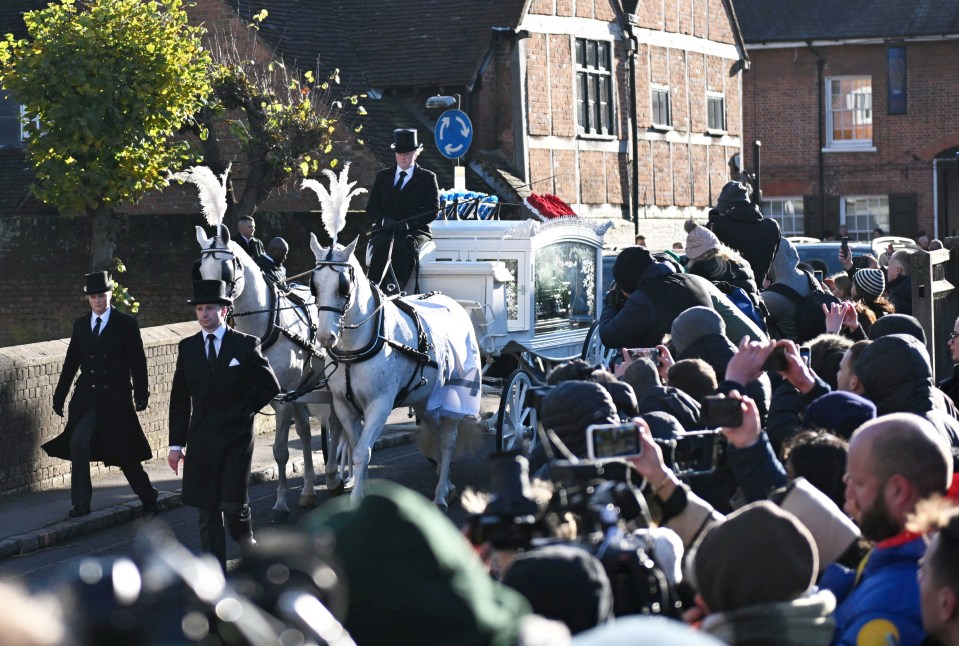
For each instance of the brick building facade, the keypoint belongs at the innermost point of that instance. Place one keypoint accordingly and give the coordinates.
(856, 115)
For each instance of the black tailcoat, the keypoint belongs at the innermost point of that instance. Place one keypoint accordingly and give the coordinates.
(253, 248)
(112, 367)
(213, 411)
(418, 200)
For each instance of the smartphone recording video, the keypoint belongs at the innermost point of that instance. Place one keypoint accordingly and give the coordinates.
(805, 353)
(844, 247)
(613, 441)
(777, 360)
(722, 411)
(642, 353)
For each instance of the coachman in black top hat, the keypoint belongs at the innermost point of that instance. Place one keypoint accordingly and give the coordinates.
(102, 425)
(403, 202)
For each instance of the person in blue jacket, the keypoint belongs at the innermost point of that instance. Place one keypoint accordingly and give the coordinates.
(894, 462)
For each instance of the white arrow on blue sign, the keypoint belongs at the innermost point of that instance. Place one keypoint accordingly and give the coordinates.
(454, 134)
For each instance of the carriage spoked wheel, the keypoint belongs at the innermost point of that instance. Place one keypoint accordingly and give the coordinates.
(516, 421)
(594, 352)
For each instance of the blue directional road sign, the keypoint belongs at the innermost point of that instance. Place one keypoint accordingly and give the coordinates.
(454, 134)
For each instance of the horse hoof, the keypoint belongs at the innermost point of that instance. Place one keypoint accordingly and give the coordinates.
(307, 502)
(443, 507)
(338, 489)
(280, 517)
(452, 496)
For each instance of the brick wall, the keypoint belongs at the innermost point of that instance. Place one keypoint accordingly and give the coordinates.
(28, 377)
(781, 108)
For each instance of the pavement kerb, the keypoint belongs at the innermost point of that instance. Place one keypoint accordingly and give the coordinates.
(62, 531)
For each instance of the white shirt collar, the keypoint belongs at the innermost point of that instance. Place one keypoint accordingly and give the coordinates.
(103, 318)
(409, 174)
(218, 333)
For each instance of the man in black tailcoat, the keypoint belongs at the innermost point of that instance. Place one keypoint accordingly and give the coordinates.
(220, 383)
(253, 246)
(403, 202)
(102, 425)
(271, 262)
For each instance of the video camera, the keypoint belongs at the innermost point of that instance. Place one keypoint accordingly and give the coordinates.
(611, 514)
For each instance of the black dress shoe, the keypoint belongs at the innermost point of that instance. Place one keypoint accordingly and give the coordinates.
(150, 510)
(79, 510)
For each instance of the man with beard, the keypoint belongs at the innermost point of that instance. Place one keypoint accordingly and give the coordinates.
(894, 462)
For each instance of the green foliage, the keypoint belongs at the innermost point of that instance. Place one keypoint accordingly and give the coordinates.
(105, 86)
(288, 125)
(122, 299)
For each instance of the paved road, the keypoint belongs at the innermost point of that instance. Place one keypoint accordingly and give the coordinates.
(403, 464)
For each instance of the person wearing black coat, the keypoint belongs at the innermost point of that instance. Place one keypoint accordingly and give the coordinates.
(102, 426)
(271, 262)
(252, 246)
(403, 202)
(220, 383)
(740, 224)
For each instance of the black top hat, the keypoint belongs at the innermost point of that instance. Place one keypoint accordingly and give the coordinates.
(209, 291)
(98, 283)
(405, 140)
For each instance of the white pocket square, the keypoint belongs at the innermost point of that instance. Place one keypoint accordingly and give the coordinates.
(234, 362)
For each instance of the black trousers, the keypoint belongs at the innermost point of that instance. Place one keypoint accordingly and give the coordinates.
(397, 266)
(81, 488)
(213, 537)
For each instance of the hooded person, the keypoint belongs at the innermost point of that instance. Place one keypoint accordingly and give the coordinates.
(785, 272)
(649, 292)
(898, 324)
(407, 566)
(755, 573)
(716, 262)
(567, 410)
(652, 396)
(699, 333)
(896, 375)
(647, 295)
(739, 224)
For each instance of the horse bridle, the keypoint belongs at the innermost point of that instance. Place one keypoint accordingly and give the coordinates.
(345, 285)
(229, 269)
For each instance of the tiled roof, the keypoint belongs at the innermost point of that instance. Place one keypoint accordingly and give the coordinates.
(396, 44)
(791, 20)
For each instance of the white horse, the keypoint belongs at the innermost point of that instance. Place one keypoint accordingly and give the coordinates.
(385, 361)
(286, 334)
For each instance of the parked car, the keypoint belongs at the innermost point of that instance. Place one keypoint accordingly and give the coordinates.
(828, 252)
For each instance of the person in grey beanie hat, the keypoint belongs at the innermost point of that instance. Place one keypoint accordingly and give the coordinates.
(694, 323)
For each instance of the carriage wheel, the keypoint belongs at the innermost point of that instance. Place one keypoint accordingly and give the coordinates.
(516, 421)
(594, 352)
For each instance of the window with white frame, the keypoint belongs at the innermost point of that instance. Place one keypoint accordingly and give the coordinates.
(788, 212)
(594, 87)
(849, 112)
(662, 116)
(11, 125)
(863, 213)
(715, 112)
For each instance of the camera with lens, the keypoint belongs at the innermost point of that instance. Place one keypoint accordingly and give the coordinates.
(610, 516)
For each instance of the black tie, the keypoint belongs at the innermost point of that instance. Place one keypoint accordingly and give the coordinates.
(96, 328)
(399, 181)
(211, 350)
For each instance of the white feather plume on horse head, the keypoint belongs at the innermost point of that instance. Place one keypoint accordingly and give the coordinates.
(334, 203)
(212, 192)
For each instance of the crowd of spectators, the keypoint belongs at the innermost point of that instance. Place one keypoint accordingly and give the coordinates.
(823, 516)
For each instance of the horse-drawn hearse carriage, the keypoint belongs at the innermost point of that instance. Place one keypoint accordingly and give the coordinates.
(533, 293)
(526, 292)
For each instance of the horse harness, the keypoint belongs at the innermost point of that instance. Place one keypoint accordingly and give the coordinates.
(228, 272)
(346, 283)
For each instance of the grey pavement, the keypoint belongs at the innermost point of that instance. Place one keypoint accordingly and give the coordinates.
(38, 520)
